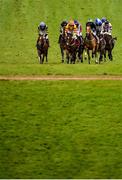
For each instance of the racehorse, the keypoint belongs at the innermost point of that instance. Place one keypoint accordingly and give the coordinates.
(71, 48)
(80, 48)
(62, 44)
(101, 49)
(42, 48)
(90, 43)
(110, 42)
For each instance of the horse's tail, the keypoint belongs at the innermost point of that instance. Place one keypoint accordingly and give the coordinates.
(115, 38)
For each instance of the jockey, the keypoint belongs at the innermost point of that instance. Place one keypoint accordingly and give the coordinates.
(43, 30)
(93, 28)
(71, 28)
(106, 28)
(103, 19)
(98, 24)
(79, 30)
(62, 29)
(92, 25)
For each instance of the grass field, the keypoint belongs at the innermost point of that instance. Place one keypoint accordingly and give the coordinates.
(61, 129)
(57, 129)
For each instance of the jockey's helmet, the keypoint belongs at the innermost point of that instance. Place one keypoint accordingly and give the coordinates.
(103, 19)
(106, 22)
(98, 22)
(42, 25)
(90, 20)
(71, 24)
(64, 23)
(76, 22)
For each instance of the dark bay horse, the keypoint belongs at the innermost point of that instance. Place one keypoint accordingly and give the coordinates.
(71, 48)
(101, 49)
(62, 44)
(110, 42)
(42, 48)
(80, 48)
(90, 44)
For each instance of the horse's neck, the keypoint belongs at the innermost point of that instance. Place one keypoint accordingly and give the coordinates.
(108, 38)
(89, 36)
(63, 36)
(41, 41)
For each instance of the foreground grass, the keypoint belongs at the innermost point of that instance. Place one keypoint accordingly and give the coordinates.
(60, 69)
(60, 129)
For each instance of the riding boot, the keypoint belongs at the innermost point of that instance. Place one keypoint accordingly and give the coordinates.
(47, 41)
(81, 40)
(97, 39)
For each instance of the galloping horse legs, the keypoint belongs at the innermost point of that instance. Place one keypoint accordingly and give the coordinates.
(67, 57)
(73, 58)
(80, 54)
(62, 53)
(46, 56)
(110, 55)
(88, 53)
(40, 58)
(43, 59)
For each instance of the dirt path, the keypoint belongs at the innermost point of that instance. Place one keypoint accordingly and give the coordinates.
(56, 77)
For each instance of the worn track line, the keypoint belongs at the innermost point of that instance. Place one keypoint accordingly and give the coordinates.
(57, 78)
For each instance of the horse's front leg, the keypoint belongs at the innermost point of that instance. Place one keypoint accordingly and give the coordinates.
(96, 58)
(40, 59)
(80, 54)
(85, 54)
(110, 55)
(46, 56)
(94, 52)
(39, 56)
(104, 55)
(73, 58)
(62, 54)
(101, 56)
(88, 53)
(67, 57)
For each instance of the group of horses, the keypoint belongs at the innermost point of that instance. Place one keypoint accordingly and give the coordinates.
(74, 48)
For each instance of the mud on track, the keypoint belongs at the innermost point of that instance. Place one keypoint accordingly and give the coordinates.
(63, 78)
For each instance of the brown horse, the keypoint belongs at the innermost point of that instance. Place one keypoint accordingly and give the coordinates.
(90, 43)
(42, 48)
(110, 42)
(71, 48)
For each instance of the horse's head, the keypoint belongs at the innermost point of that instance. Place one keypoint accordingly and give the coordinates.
(69, 38)
(41, 42)
(88, 30)
(41, 39)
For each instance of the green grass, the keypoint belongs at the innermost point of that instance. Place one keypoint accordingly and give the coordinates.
(18, 33)
(60, 69)
(65, 129)
(60, 129)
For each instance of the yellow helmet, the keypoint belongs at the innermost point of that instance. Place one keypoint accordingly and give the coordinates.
(71, 23)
